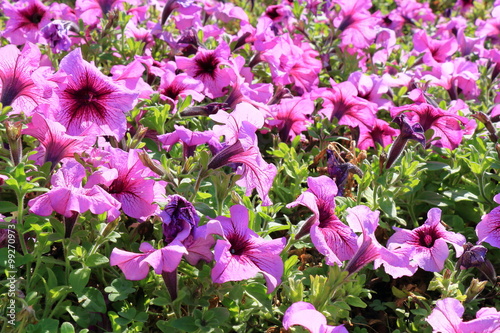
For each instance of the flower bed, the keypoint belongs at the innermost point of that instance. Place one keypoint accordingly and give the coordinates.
(205, 166)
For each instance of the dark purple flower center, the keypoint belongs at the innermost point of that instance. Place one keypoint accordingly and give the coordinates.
(173, 90)
(118, 186)
(346, 22)
(33, 14)
(206, 65)
(239, 244)
(427, 236)
(86, 99)
(13, 87)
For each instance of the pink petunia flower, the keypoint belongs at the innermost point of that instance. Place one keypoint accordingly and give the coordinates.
(123, 175)
(21, 78)
(206, 67)
(428, 241)
(239, 129)
(67, 196)
(335, 240)
(396, 262)
(182, 237)
(356, 23)
(26, 19)
(174, 86)
(342, 102)
(446, 317)
(488, 230)
(381, 133)
(291, 116)
(306, 315)
(242, 253)
(55, 144)
(448, 132)
(434, 51)
(190, 140)
(88, 98)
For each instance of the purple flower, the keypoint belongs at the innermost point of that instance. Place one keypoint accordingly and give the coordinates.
(305, 315)
(396, 262)
(239, 131)
(124, 176)
(446, 124)
(89, 98)
(428, 241)
(172, 85)
(55, 144)
(407, 132)
(488, 230)
(67, 196)
(189, 139)
(182, 237)
(340, 171)
(57, 34)
(446, 317)
(335, 240)
(26, 18)
(206, 67)
(381, 133)
(291, 116)
(242, 253)
(20, 82)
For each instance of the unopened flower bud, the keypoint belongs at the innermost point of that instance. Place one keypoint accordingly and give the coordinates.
(475, 288)
(13, 131)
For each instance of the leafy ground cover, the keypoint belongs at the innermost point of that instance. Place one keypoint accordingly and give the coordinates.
(205, 166)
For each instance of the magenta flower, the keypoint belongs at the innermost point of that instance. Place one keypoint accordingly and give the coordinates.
(190, 140)
(356, 23)
(20, 78)
(57, 35)
(55, 144)
(446, 317)
(89, 98)
(123, 175)
(291, 116)
(173, 86)
(434, 51)
(335, 240)
(206, 67)
(488, 230)
(381, 133)
(446, 124)
(90, 11)
(428, 241)
(130, 76)
(182, 236)
(67, 196)
(306, 315)
(26, 18)
(396, 262)
(342, 102)
(241, 147)
(242, 253)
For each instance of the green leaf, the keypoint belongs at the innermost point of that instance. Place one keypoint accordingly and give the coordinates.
(67, 328)
(92, 300)
(7, 207)
(96, 259)
(79, 315)
(46, 325)
(355, 301)
(119, 289)
(78, 279)
(185, 323)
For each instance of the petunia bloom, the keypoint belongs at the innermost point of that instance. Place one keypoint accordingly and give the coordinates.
(292, 116)
(55, 144)
(88, 98)
(446, 317)
(123, 175)
(241, 254)
(239, 129)
(67, 196)
(335, 240)
(26, 18)
(20, 78)
(428, 241)
(488, 230)
(306, 315)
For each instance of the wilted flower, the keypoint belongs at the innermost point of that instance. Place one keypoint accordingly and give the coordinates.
(57, 34)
